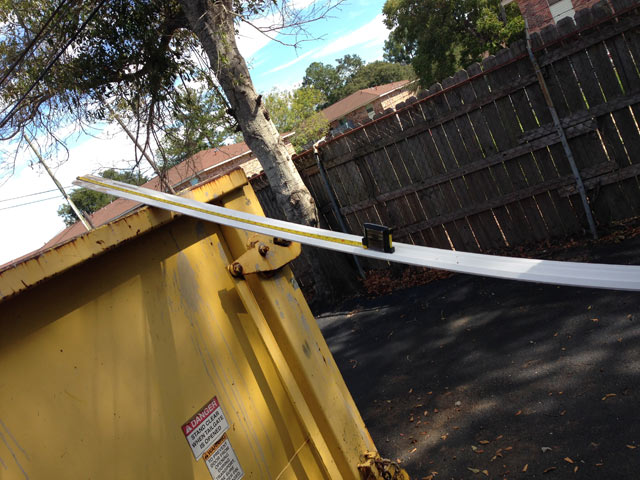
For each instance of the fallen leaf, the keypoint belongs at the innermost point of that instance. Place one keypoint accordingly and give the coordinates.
(563, 412)
(411, 390)
(575, 469)
(474, 448)
(546, 449)
(473, 470)
(486, 472)
(550, 469)
(444, 437)
(526, 467)
(599, 464)
(595, 320)
(435, 410)
(479, 451)
(567, 459)
(484, 442)
(519, 412)
(413, 450)
(632, 447)
(509, 448)
(411, 419)
(609, 395)
(499, 437)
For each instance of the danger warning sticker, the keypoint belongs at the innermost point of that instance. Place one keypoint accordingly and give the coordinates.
(222, 461)
(205, 428)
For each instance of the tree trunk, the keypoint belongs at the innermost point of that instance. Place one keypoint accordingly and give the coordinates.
(213, 23)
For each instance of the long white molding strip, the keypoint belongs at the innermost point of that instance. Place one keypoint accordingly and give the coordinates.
(618, 277)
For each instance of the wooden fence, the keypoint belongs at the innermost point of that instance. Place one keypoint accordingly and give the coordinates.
(476, 163)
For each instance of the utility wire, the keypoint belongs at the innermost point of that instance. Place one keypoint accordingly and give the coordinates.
(52, 62)
(29, 203)
(31, 194)
(31, 44)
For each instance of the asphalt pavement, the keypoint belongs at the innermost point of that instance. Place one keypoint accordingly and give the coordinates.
(472, 377)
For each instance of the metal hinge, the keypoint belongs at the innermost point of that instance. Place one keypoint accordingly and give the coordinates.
(374, 467)
(264, 254)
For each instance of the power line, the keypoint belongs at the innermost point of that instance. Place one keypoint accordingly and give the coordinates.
(29, 203)
(31, 194)
(52, 62)
(31, 44)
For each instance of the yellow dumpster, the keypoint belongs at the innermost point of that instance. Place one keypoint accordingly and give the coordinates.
(148, 348)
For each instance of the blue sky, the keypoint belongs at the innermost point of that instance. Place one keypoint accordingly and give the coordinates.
(355, 28)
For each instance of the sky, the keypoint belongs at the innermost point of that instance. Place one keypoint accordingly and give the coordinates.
(28, 199)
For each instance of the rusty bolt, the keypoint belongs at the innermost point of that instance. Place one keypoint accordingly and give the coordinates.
(236, 269)
(263, 249)
(281, 241)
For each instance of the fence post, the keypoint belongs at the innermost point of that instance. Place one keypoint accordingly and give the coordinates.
(334, 204)
(561, 134)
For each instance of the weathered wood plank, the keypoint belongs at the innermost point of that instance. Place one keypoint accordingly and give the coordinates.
(522, 170)
(518, 231)
(532, 167)
(601, 71)
(455, 190)
(484, 226)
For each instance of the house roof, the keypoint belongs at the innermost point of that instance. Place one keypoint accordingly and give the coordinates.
(359, 99)
(176, 176)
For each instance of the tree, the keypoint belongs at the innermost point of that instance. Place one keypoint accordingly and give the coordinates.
(89, 201)
(136, 53)
(324, 78)
(351, 74)
(441, 36)
(198, 121)
(296, 111)
(378, 73)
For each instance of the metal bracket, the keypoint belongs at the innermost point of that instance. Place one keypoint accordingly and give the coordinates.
(374, 467)
(264, 254)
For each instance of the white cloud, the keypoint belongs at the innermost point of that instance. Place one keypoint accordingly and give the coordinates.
(292, 62)
(374, 31)
(27, 228)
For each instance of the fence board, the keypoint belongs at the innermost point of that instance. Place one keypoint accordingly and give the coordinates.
(522, 170)
(458, 231)
(478, 165)
(485, 228)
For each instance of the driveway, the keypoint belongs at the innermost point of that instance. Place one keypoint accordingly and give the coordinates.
(471, 377)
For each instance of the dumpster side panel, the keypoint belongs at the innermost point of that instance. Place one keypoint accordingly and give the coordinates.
(101, 366)
(308, 357)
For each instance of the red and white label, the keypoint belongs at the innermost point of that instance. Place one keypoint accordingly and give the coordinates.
(205, 428)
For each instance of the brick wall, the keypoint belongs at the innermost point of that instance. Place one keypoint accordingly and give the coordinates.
(538, 14)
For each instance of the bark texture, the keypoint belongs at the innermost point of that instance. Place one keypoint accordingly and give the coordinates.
(213, 23)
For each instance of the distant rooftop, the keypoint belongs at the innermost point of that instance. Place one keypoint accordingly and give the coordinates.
(360, 99)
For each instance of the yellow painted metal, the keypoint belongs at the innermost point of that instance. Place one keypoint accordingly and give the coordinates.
(265, 254)
(112, 341)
